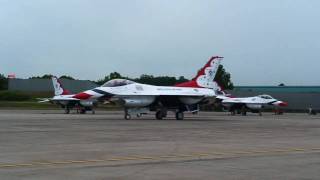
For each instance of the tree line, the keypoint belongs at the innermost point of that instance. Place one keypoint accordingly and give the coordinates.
(3, 82)
(223, 78)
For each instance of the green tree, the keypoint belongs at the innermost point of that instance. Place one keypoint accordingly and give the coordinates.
(46, 76)
(113, 75)
(3, 82)
(182, 79)
(66, 77)
(223, 78)
(158, 81)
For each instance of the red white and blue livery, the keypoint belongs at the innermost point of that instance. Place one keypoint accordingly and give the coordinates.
(138, 99)
(254, 104)
(66, 100)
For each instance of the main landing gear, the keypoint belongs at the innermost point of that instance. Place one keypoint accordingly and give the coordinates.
(134, 111)
(161, 114)
(84, 110)
(127, 116)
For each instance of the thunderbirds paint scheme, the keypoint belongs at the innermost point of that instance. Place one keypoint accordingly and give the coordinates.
(254, 104)
(66, 100)
(138, 99)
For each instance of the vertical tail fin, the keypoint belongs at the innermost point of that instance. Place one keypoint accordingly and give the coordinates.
(58, 88)
(206, 75)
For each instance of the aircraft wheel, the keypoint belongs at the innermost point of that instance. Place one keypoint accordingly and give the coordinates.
(179, 116)
(159, 115)
(127, 116)
(67, 111)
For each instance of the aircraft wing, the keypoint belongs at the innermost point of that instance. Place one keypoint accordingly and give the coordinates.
(44, 100)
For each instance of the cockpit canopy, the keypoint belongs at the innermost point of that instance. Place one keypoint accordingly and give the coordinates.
(117, 83)
(266, 96)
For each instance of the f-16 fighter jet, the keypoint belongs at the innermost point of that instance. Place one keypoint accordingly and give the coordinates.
(138, 99)
(64, 98)
(253, 104)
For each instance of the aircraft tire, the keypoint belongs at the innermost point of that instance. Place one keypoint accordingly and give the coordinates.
(127, 117)
(159, 115)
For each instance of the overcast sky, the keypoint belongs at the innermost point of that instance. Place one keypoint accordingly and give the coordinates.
(264, 42)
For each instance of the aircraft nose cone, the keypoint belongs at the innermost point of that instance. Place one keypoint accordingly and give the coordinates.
(281, 104)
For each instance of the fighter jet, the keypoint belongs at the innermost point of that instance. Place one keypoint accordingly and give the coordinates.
(254, 104)
(138, 99)
(64, 98)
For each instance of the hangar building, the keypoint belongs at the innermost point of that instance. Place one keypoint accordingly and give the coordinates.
(45, 85)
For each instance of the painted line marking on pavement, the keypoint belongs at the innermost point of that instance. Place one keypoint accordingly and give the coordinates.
(141, 158)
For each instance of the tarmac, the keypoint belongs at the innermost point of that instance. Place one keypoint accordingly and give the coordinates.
(46, 144)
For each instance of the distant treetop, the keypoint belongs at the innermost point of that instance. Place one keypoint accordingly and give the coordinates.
(49, 76)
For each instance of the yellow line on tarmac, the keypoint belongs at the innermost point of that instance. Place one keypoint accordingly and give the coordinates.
(243, 152)
(299, 149)
(60, 162)
(259, 151)
(76, 162)
(184, 155)
(10, 165)
(124, 159)
(168, 156)
(145, 157)
(217, 153)
(201, 154)
(16, 165)
(42, 163)
(281, 150)
(163, 157)
(96, 161)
